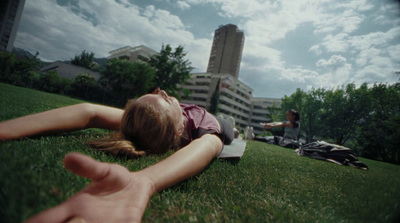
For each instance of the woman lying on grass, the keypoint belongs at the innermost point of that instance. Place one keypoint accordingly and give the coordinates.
(151, 124)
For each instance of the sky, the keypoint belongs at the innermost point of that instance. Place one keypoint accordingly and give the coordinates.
(289, 44)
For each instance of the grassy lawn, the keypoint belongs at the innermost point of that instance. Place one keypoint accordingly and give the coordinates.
(269, 184)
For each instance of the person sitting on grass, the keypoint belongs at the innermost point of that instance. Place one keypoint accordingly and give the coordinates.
(292, 128)
(151, 124)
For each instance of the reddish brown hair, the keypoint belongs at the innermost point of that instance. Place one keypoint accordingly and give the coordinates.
(144, 130)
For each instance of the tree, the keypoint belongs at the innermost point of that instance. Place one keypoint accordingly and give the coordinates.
(214, 101)
(123, 80)
(171, 69)
(7, 62)
(84, 86)
(24, 71)
(379, 135)
(365, 118)
(85, 59)
(342, 112)
(54, 83)
(311, 113)
(274, 115)
(21, 72)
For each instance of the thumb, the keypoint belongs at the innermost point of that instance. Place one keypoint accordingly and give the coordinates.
(86, 166)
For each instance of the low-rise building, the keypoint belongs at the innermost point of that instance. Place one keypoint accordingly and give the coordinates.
(67, 70)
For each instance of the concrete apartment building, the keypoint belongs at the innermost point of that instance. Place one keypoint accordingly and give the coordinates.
(235, 99)
(10, 16)
(259, 111)
(133, 54)
(226, 51)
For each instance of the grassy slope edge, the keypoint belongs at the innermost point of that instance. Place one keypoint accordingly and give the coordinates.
(269, 184)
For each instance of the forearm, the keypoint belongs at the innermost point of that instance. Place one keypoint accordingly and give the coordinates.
(115, 195)
(275, 124)
(75, 117)
(184, 163)
(61, 119)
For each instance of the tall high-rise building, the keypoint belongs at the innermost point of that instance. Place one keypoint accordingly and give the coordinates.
(10, 16)
(226, 51)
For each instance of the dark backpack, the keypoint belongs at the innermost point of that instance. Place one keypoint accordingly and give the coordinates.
(332, 153)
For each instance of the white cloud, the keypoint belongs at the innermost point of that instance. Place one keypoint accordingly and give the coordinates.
(381, 70)
(365, 56)
(346, 55)
(337, 43)
(365, 7)
(394, 52)
(327, 29)
(183, 5)
(316, 49)
(133, 26)
(333, 62)
(335, 71)
(336, 23)
(298, 75)
(381, 18)
(362, 42)
(359, 5)
(347, 21)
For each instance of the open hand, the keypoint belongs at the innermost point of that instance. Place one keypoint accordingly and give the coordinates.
(265, 125)
(114, 195)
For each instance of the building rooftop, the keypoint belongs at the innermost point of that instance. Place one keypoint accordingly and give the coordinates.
(129, 49)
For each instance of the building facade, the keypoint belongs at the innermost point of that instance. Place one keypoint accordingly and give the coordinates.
(259, 111)
(133, 54)
(10, 16)
(226, 51)
(235, 99)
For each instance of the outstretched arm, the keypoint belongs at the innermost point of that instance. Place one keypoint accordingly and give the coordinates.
(116, 195)
(276, 124)
(184, 163)
(75, 117)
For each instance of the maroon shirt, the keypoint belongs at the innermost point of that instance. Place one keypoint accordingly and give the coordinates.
(198, 123)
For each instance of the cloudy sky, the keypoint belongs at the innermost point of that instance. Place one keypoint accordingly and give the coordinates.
(289, 44)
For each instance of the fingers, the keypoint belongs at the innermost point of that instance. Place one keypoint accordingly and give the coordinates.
(56, 214)
(264, 125)
(86, 166)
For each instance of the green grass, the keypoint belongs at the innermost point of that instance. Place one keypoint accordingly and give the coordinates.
(269, 184)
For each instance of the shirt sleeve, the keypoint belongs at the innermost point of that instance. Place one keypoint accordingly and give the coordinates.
(200, 132)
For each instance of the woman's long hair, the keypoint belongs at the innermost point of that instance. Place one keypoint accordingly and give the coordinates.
(295, 113)
(144, 130)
